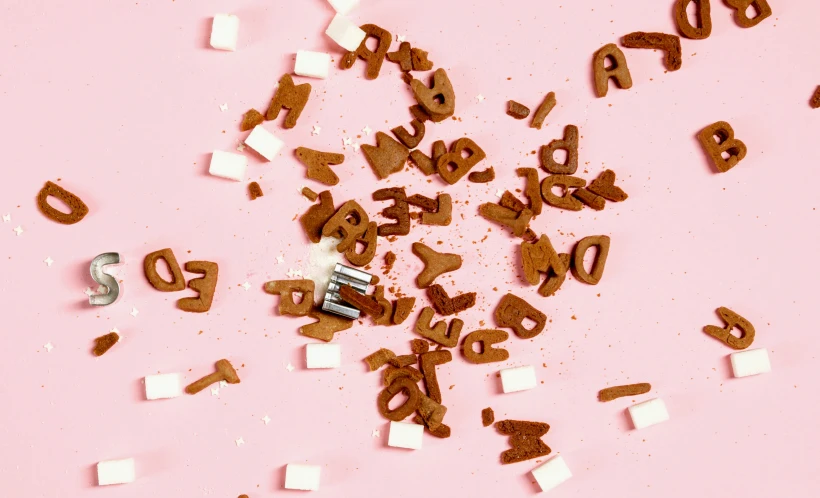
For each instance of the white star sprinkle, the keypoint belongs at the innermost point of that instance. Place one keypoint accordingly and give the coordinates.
(240, 147)
(480, 97)
(6, 218)
(214, 391)
(48, 261)
(19, 230)
(223, 107)
(400, 38)
(135, 312)
(88, 291)
(223, 383)
(316, 130)
(347, 141)
(294, 273)
(240, 442)
(280, 259)
(289, 367)
(356, 146)
(48, 347)
(499, 193)
(366, 130)
(375, 433)
(266, 419)
(246, 286)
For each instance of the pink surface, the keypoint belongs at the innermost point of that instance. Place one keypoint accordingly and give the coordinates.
(120, 100)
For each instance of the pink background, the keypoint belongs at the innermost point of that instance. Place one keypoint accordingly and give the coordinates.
(121, 101)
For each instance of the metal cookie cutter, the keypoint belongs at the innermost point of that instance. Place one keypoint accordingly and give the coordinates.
(344, 275)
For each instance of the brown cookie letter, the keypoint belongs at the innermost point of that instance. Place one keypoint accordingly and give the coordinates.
(594, 201)
(616, 392)
(318, 164)
(380, 358)
(670, 44)
(516, 110)
(443, 214)
(445, 305)
(370, 240)
(525, 440)
(399, 211)
(428, 363)
(317, 216)
(401, 385)
(255, 191)
(517, 222)
(440, 332)
(385, 317)
(386, 157)
(726, 143)
(103, 343)
(566, 182)
(485, 176)
(531, 190)
(251, 119)
(508, 200)
(402, 57)
(438, 100)
(724, 334)
(618, 70)
(286, 289)
(761, 8)
(702, 14)
(291, 97)
(349, 223)
(570, 144)
(543, 111)
(511, 313)
(486, 353)
(604, 186)
(358, 300)
(427, 164)
(435, 264)
(555, 279)
(417, 111)
(539, 257)
(404, 306)
(815, 99)
(78, 207)
(224, 371)
(487, 417)
(149, 265)
(205, 286)
(598, 264)
(453, 165)
(408, 140)
(373, 59)
(325, 325)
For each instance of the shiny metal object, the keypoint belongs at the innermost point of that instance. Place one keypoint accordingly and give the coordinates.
(102, 278)
(344, 275)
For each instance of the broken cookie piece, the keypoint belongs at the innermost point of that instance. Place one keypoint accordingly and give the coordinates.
(318, 164)
(103, 343)
(516, 110)
(386, 157)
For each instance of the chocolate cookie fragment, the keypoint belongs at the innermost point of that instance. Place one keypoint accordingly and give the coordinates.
(419, 60)
(255, 191)
(205, 286)
(726, 143)
(670, 44)
(445, 305)
(724, 334)
(516, 110)
(78, 207)
(317, 215)
(604, 186)
(594, 201)
(408, 140)
(291, 97)
(487, 417)
(419, 346)
(402, 57)
(386, 157)
(427, 164)
(103, 343)
(325, 326)
(761, 9)
(569, 144)
(360, 301)
(402, 310)
(515, 221)
(543, 111)
(424, 202)
(485, 176)
(525, 440)
(815, 99)
(616, 392)
(380, 358)
(443, 214)
(618, 70)
(702, 14)
(486, 353)
(318, 164)
(512, 311)
(531, 190)
(373, 59)
(566, 182)
(429, 362)
(251, 119)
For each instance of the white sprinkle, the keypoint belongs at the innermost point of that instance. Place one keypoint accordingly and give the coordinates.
(266, 419)
(223, 383)
(6, 218)
(48, 261)
(294, 273)
(240, 147)
(240, 442)
(375, 433)
(280, 259)
(366, 130)
(316, 130)
(223, 107)
(134, 312)
(400, 38)
(347, 141)
(88, 291)
(214, 391)
(356, 146)
(48, 346)
(289, 367)
(480, 97)
(499, 193)
(19, 230)
(246, 286)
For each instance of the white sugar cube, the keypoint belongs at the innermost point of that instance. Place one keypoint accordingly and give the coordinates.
(163, 386)
(648, 413)
(224, 32)
(344, 6)
(264, 142)
(405, 435)
(345, 33)
(750, 362)
(228, 165)
(302, 477)
(518, 379)
(116, 472)
(323, 355)
(551, 473)
(313, 64)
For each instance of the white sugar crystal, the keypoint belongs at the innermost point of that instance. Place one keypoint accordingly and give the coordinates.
(302, 477)
(312, 64)
(750, 362)
(116, 472)
(264, 142)
(344, 6)
(224, 32)
(405, 435)
(648, 413)
(551, 473)
(518, 379)
(345, 33)
(228, 165)
(323, 355)
(163, 386)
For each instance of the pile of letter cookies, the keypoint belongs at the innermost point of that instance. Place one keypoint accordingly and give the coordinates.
(439, 335)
